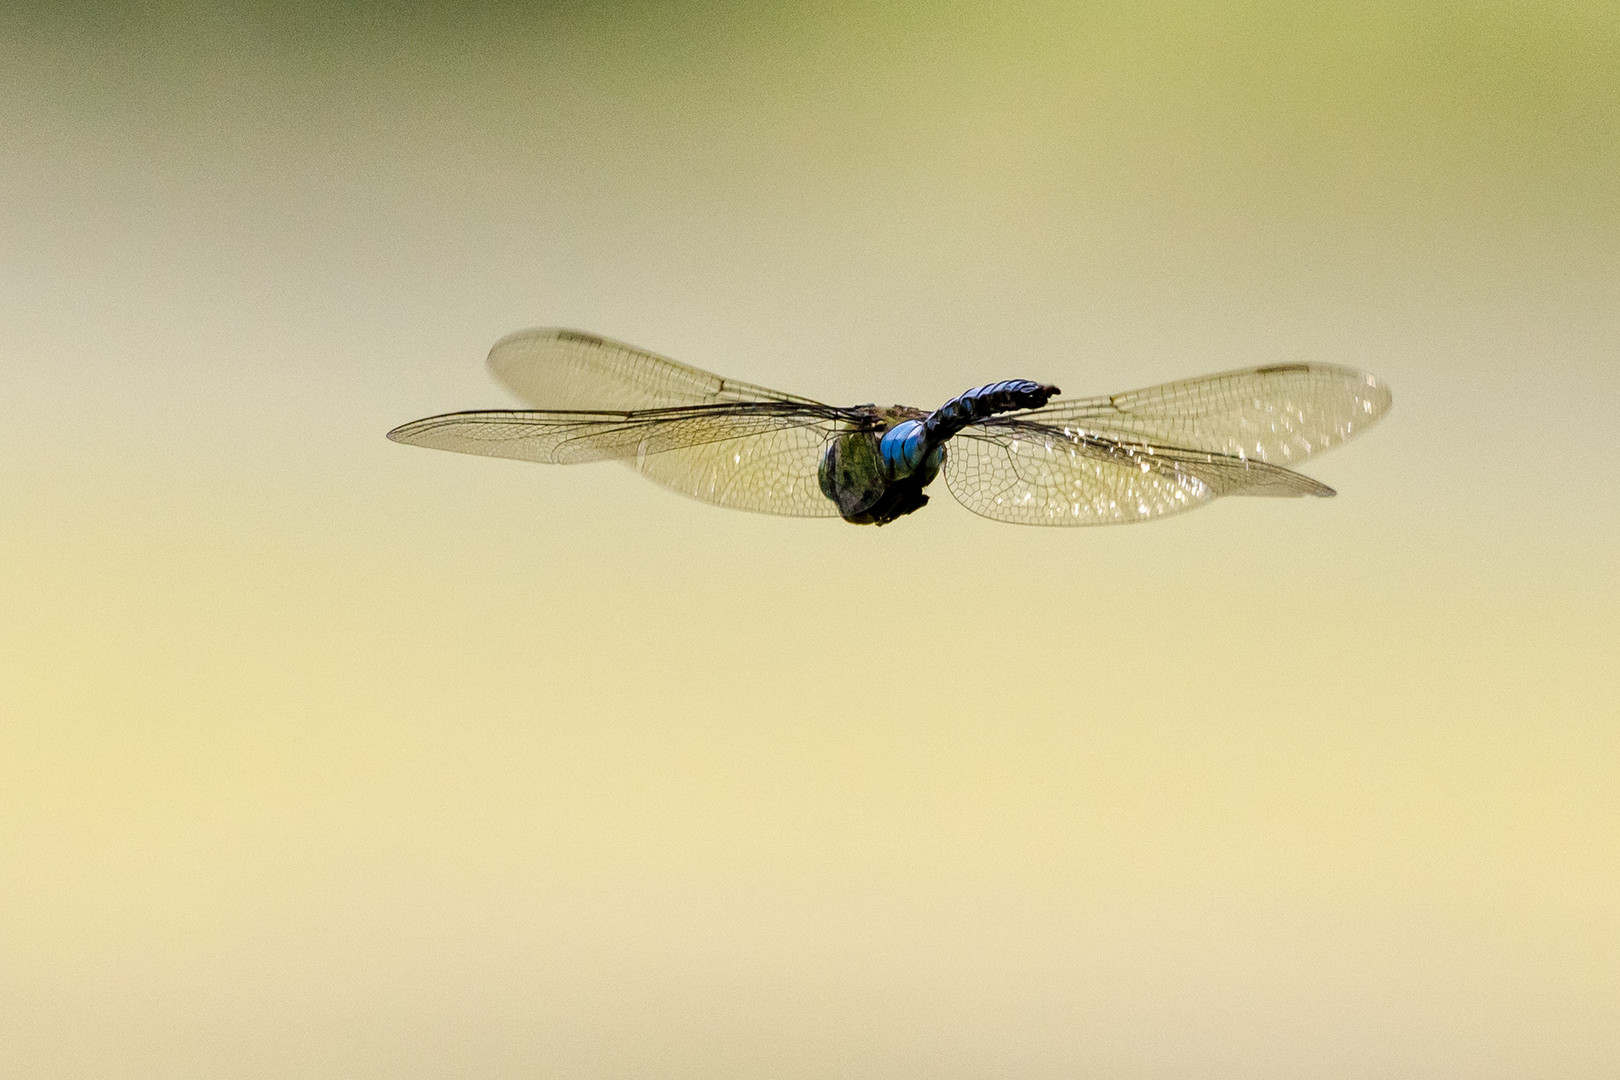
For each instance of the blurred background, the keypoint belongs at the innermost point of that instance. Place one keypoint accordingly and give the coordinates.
(326, 757)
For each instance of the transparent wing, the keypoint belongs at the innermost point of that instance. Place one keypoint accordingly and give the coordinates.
(773, 472)
(1281, 415)
(567, 369)
(1033, 474)
(760, 456)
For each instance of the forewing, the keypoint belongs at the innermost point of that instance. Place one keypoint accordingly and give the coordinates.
(1281, 414)
(565, 369)
(732, 455)
(771, 472)
(1031, 474)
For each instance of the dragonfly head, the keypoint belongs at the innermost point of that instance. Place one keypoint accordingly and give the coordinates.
(874, 479)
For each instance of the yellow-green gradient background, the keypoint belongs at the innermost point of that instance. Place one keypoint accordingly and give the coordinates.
(324, 757)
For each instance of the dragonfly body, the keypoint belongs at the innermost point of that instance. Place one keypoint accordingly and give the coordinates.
(1008, 450)
(874, 476)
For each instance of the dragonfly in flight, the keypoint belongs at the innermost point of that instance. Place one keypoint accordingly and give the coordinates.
(1013, 451)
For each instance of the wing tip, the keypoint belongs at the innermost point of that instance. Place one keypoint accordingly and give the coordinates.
(549, 333)
(1291, 485)
(405, 434)
(414, 432)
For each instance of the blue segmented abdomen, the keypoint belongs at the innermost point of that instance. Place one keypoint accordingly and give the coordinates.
(913, 446)
(903, 448)
(907, 452)
(983, 401)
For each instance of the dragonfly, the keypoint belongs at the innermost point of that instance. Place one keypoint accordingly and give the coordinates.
(1013, 451)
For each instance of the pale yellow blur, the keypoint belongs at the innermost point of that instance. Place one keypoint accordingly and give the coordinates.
(322, 756)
